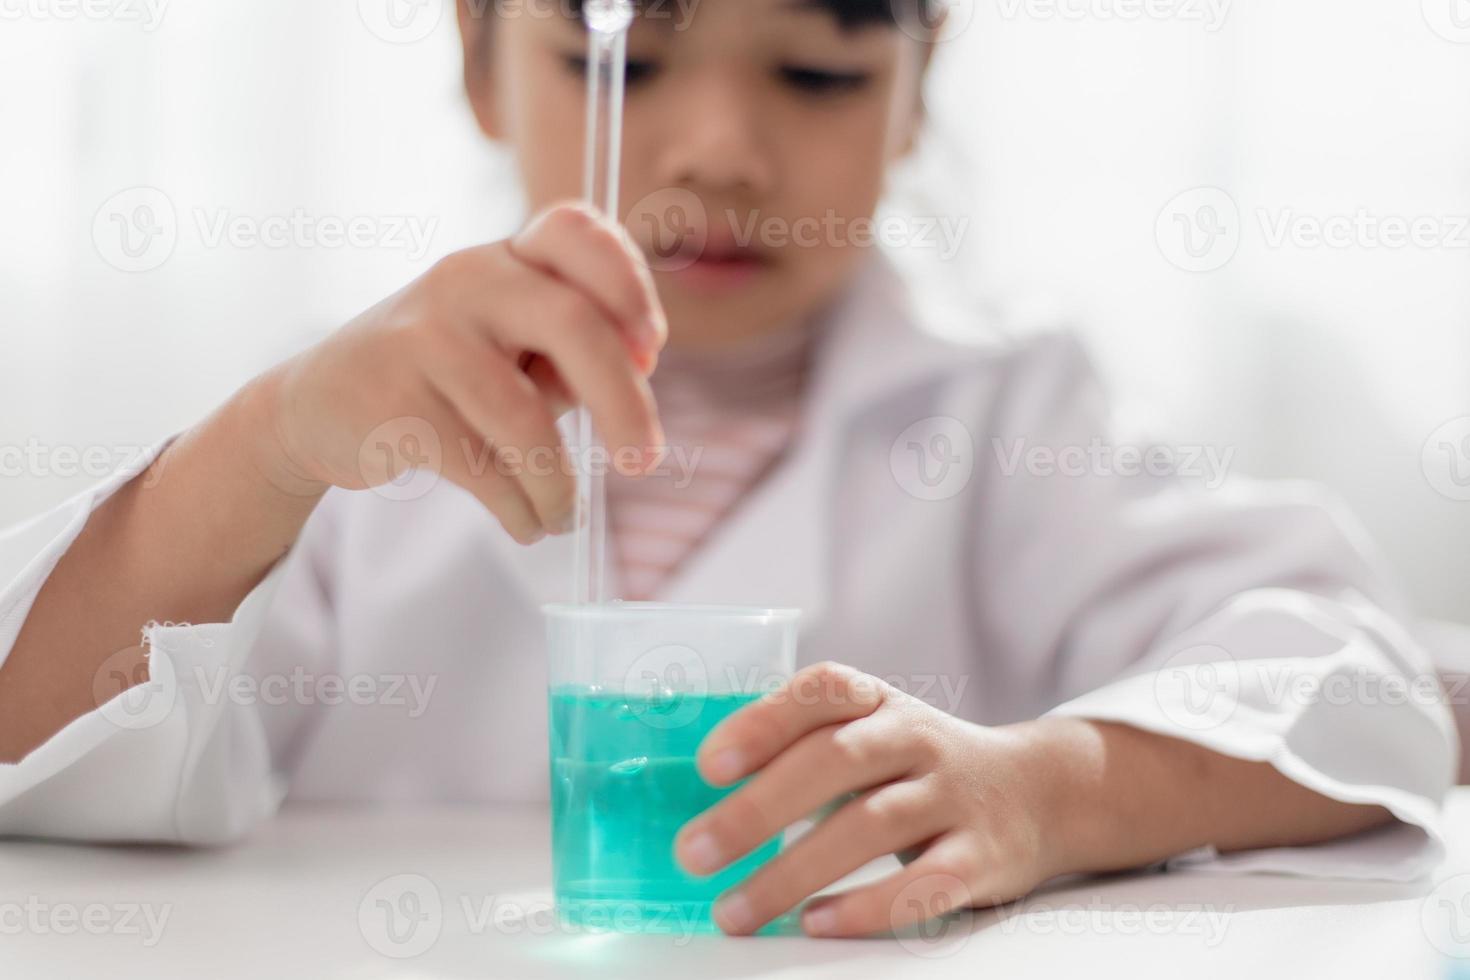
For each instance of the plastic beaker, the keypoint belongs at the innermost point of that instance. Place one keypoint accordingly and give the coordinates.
(633, 690)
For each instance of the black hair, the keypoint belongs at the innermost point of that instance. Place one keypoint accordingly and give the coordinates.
(866, 13)
(850, 14)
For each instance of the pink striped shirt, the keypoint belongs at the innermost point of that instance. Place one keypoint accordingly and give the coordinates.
(730, 416)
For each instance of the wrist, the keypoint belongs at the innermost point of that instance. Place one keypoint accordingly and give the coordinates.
(255, 418)
(1061, 757)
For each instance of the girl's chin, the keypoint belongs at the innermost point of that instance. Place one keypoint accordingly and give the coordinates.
(695, 332)
(702, 320)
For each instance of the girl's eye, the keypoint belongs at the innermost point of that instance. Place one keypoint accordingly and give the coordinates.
(641, 71)
(819, 82)
(638, 71)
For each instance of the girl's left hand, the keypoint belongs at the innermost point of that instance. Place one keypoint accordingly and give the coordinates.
(954, 796)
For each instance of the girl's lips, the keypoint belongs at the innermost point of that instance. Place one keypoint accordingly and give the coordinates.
(714, 272)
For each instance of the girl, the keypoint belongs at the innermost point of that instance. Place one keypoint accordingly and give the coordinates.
(1115, 670)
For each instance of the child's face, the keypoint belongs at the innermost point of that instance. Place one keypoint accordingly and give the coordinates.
(758, 129)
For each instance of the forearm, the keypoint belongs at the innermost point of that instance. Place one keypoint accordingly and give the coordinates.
(1123, 798)
(185, 541)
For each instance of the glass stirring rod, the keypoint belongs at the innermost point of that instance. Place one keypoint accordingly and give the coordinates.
(607, 58)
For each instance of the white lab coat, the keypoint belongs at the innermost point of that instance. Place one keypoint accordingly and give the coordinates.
(1014, 595)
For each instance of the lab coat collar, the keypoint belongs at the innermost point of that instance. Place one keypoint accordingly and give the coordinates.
(773, 550)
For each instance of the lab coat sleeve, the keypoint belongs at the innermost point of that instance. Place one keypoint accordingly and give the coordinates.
(192, 755)
(1248, 618)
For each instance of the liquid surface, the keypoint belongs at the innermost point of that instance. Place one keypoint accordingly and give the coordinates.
(623, 782)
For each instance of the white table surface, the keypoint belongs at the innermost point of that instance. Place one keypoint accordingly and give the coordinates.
(300, 899)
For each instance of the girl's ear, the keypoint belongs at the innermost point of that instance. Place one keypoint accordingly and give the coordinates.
(476, 20)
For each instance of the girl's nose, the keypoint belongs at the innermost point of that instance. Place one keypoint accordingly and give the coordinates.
(715, 141)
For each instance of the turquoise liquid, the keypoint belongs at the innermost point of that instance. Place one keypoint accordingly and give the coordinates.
(623, 783)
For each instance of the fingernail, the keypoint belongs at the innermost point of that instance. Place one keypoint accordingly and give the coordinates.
(734, 913)
(702, 854)
(820, 920)
(567, 524)
(727, 765)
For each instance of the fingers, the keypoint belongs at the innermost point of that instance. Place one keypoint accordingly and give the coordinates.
(464, 462)
(935, 884)
(822, 694)
(879, 822)
(548, 382)
(820, 767)
(567, 328)
(504, 406)
(582, 248)
(494, 296)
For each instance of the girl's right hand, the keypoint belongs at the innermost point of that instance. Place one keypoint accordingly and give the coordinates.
(487, 349)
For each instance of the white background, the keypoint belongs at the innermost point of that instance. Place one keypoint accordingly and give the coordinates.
(1063, 128)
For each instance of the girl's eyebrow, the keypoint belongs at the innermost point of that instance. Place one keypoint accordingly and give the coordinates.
(852, 14)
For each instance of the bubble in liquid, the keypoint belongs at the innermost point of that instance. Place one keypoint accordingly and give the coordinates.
(668, 700)
(629, 767)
